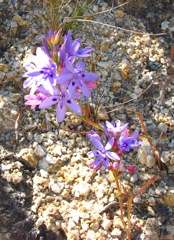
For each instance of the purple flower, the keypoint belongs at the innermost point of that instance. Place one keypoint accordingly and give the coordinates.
(125, 142)
(72, 49)
(115, 127)
(40, 71)
(79, 78)
(63, 100)
(102, 155)
(40, 96)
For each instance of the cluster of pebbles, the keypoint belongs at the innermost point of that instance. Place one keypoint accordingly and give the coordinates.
(66, 193)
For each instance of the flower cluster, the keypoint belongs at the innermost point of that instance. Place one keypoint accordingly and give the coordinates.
(119, 140)
(54, 75)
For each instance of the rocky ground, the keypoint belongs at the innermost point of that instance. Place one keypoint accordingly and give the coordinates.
(47, 191)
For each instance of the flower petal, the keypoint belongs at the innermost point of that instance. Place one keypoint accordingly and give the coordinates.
(49, 102)
(73, 106)
(97, 163)
(94, 153)
(112, 155)
(97, 144)
(109, 144)
(85, 90)
(80, 66)
(60, 112)
(89, 76)
(106, 162)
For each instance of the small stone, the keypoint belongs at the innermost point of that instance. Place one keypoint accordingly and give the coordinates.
(106, 224)
(19, 20)
(169, 199)
(165, 156)
(14, 177)
(39, 152)
(75, 216)
(134, 178)
(95, 226)
(90, 235)
(13, 28)
(150, 161)
(125, 68)
(95, 8)
(43, 173)
(116, 86)
(165, 25)
(151, 230)
(57, 187)
(36, 204)
(116, 232)
(27, 155)
(4, 67)
(162, 127)
(82, 189)
(39, 221)
(2, 76)
(49, 163)
(119, 14)
(151, 201)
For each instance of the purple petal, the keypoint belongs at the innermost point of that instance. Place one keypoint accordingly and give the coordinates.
(112, 155)
(60, 112)
(97, 143)
(49, 87)
(135, 134)
(97, 163)
(27, 82)
(93, 134)
(64, 77)
(109, 144)
(72, 87)
(106, 162)
(93, 153)
(49, 102)
(84, 89)
(68, 40)
(73, 106)
(74, 47)
(69, 66)
(109, 125)
(89, 76)
(80, 66)
(84, 52)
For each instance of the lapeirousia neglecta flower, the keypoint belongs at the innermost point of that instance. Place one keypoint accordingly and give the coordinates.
(74, 78)
(40, 71)
(55, 77)
(102, 155)
(63, 101)
(126, 141)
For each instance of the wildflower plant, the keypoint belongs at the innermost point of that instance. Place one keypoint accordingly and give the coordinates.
(56, 75)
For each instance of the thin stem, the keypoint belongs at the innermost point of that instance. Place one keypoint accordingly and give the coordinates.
(130, 199)
(121, 207)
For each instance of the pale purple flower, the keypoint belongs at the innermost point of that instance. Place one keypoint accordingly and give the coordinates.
(40, 71)
(72, 49)
(40, 95)
(34, 100)
(125, 142)
(102, 156)
(63, 100)
(74, 78)
(115, 128)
